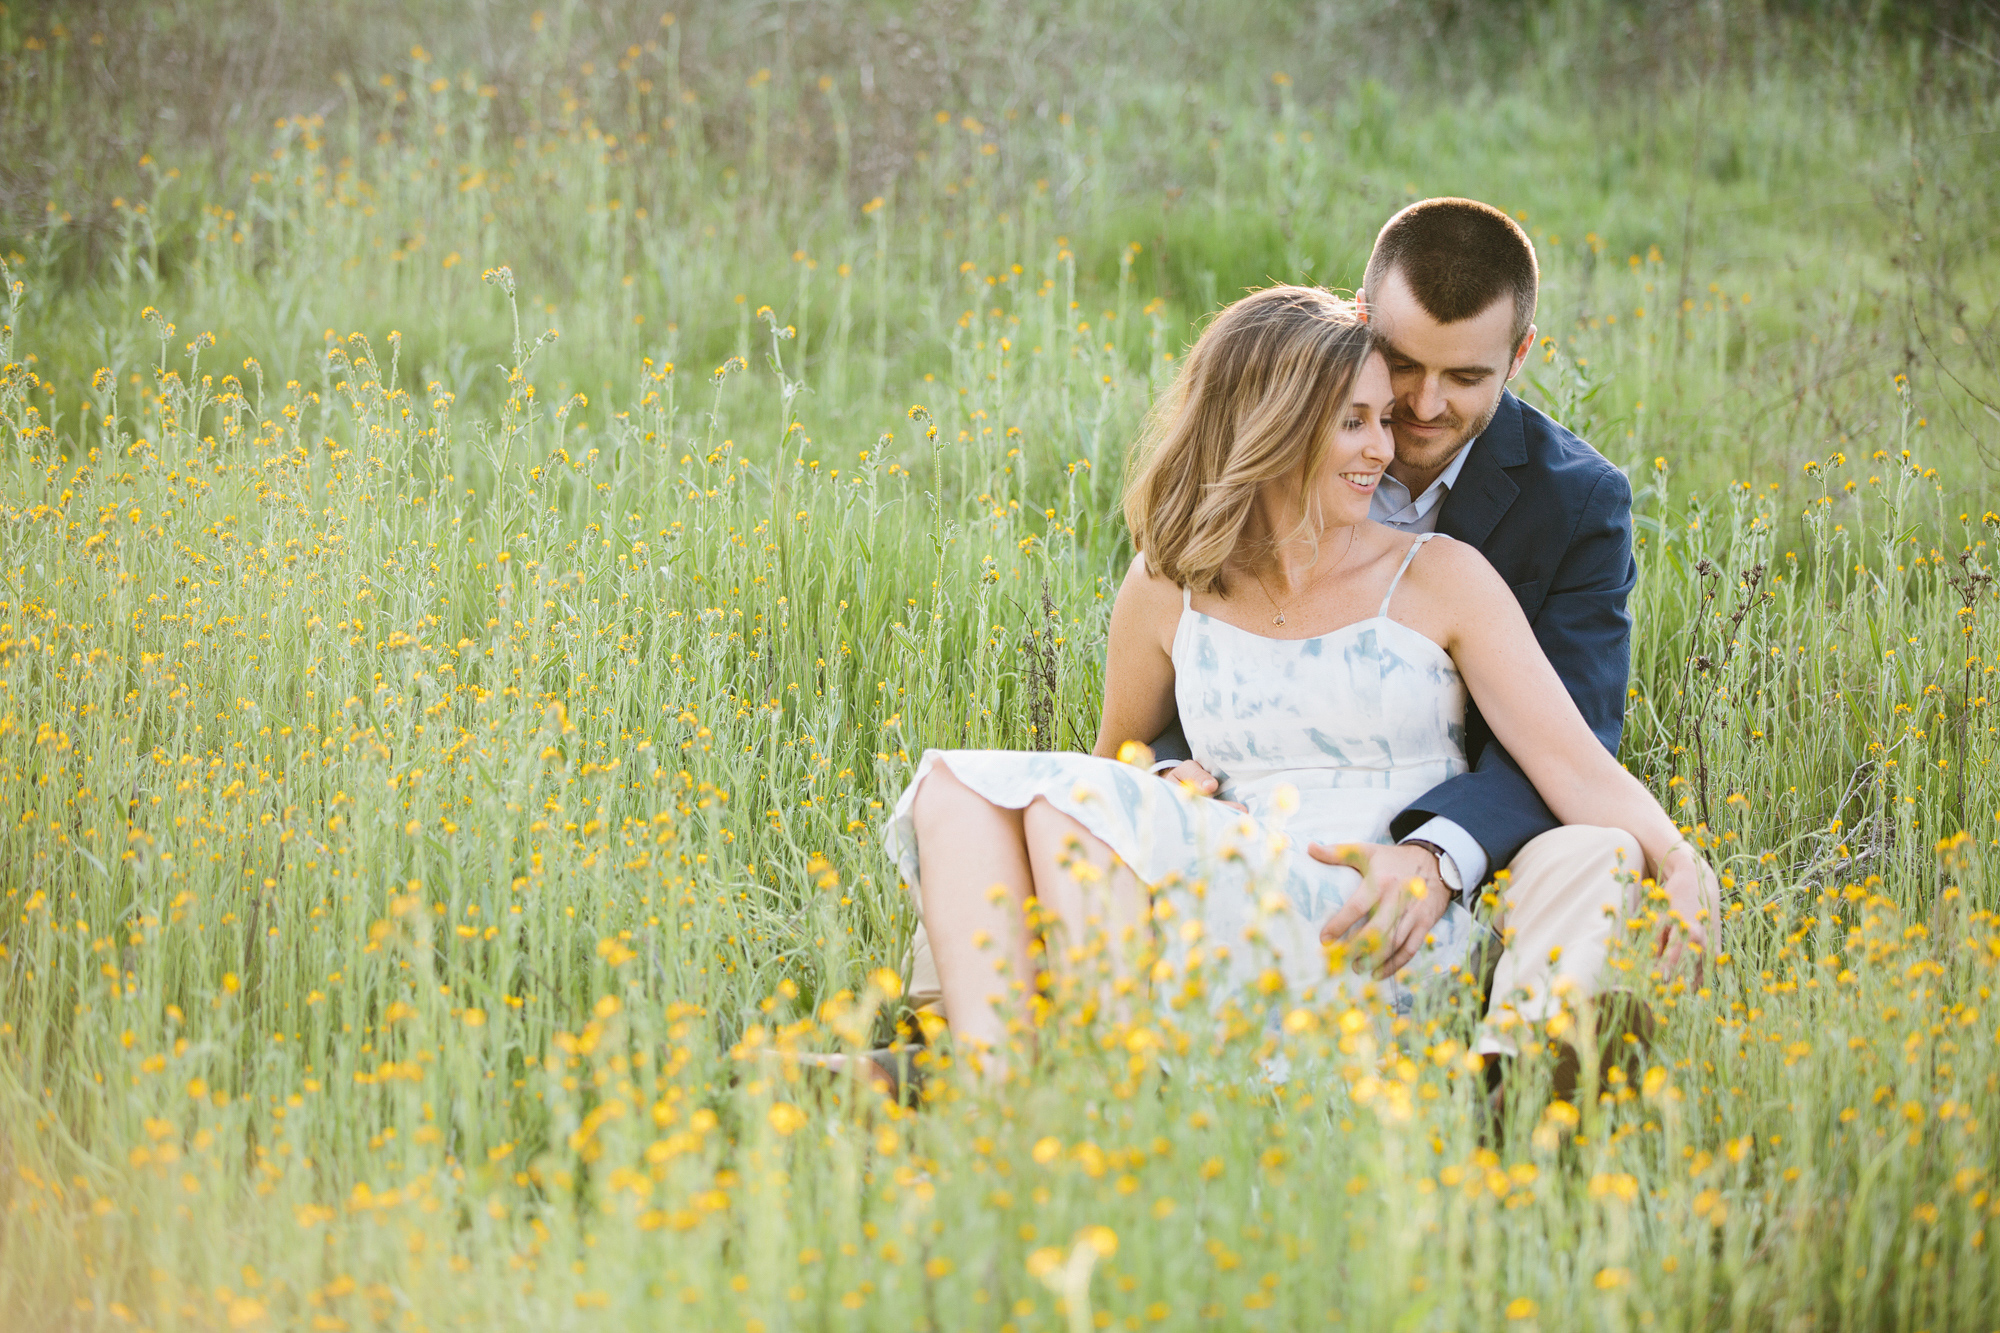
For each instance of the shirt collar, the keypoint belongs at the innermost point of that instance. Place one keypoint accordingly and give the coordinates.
(1449, 477)
(1435, 492)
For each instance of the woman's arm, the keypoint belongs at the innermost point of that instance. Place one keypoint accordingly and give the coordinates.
(1533, 717)
(1138, 665)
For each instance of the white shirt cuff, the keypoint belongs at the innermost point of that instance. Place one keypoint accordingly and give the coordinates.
(1467, 856)
(1162, 767)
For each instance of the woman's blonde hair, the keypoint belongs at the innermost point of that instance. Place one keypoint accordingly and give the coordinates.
(1255, 399)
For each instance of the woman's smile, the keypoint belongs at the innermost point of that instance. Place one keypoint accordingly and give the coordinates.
(1362, 442)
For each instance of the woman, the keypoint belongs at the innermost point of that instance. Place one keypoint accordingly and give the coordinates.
(1319, 664)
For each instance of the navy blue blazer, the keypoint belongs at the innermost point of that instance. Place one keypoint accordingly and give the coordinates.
(1554, 517)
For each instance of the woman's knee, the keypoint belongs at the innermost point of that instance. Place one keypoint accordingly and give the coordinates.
(1051, 833)
(940, 796)
(1039, 819)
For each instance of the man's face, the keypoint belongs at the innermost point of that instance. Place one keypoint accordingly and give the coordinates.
(1447, 378)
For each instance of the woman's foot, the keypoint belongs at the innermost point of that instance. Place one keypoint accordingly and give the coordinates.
(896, 1072)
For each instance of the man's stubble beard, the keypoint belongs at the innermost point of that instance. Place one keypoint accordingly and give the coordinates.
(1440, 455)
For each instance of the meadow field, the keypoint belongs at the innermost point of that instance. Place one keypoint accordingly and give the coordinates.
(494, 500)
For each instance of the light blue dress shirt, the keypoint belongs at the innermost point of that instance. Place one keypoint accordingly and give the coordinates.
(1395, 506)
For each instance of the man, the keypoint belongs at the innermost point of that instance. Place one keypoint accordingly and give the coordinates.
(1451, 286)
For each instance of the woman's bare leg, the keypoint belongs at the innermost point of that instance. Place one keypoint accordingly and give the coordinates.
(972, 862)
(1103, 911)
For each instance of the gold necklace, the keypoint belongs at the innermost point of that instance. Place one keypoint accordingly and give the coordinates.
(1264, 588)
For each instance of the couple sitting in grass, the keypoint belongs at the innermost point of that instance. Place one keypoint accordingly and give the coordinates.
(1377, 629)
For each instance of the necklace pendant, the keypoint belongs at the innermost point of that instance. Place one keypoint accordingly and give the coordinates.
(1278, 619)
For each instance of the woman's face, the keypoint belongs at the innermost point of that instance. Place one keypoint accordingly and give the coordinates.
(1361, 449)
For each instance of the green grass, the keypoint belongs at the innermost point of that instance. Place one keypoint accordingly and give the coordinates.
(438, 759)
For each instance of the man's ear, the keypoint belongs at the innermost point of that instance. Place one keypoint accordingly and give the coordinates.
(1361, 303)
(1521, 352)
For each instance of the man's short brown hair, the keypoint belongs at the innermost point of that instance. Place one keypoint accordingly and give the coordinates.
(1459, 257)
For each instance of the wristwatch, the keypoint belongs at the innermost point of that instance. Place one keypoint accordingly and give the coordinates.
(1447, 868)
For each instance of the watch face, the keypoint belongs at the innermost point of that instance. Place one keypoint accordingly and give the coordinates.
(1447, 868)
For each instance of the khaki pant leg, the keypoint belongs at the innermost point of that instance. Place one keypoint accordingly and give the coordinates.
(1560, 907)
(924, 991)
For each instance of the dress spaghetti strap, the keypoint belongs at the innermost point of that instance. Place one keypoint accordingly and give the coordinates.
(1187, 598)
(1408, 556)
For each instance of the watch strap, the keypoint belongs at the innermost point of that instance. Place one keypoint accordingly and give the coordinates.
(1447, 867)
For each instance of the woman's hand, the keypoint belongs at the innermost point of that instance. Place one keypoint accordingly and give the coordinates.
(1694, 906)
(1200, 781)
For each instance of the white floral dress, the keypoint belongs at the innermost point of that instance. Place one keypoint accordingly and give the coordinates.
(1323, 740)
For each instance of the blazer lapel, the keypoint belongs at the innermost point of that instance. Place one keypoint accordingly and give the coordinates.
(1484, 492)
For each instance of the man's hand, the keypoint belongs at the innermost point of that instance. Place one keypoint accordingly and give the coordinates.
(1693, 898)
(1387, 900)
(1199, 780)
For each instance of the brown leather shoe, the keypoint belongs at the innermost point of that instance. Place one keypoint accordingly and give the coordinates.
(1489, 1109)
(1625, 1029)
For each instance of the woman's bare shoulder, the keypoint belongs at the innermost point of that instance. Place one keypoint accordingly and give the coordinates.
(1149, 596)
(1446, 552)
(1455, 572)
(1147, 589)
